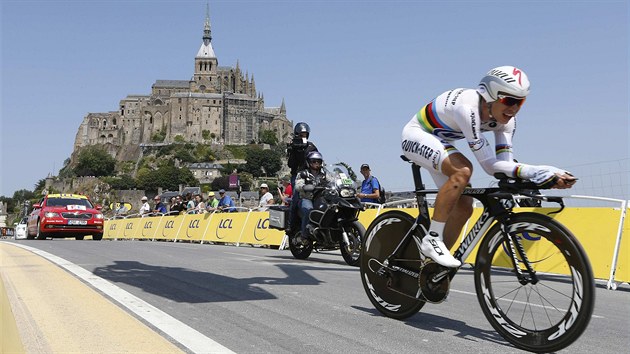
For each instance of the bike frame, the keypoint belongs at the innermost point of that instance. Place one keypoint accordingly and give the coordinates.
(497, 206)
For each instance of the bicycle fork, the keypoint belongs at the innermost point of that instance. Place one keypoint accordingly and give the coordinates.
(516, 250)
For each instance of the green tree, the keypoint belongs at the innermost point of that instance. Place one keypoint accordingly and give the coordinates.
(120, 182)
(166, 176)
(94, 160)
(159, 136)
(262, 162)
(268, 137)
(39, 186)
(184, 153)
(203, 153)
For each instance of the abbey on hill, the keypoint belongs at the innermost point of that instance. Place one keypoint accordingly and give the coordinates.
(218, 105)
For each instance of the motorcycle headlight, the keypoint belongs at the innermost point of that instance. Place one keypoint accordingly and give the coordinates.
(346, 193)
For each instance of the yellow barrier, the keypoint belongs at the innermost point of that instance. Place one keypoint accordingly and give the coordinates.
(595, 228)
(257, 232)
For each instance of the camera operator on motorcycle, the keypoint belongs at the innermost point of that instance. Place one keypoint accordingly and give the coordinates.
(297, 151)
(428, 140)
(306, 180)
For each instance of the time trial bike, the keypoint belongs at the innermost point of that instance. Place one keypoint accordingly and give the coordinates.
(532, 278)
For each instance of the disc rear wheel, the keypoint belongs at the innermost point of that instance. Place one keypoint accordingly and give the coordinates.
(391, 292)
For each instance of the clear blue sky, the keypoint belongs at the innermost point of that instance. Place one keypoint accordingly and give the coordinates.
(356, 71)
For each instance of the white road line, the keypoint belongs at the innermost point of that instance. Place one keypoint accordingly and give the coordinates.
(180, 332)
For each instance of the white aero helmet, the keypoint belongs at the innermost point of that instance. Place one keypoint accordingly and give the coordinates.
(507, 80)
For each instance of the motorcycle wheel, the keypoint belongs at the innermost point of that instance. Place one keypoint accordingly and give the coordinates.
(352, 253)
(299, 250)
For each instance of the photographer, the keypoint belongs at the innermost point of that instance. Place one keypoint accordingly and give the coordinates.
(297, 151)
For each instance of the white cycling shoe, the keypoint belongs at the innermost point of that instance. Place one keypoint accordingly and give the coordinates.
(433, 247)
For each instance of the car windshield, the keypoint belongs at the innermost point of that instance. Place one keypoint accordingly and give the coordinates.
(64, 202)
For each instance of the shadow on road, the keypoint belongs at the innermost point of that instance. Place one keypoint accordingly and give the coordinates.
(434, 323)
(191, 286)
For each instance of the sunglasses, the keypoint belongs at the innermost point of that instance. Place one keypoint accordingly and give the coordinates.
(511, 101)
(316, 161)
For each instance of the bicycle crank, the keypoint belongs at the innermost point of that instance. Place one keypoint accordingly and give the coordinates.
(434, 282)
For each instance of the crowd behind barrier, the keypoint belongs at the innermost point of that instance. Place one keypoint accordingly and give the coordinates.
(599, 230)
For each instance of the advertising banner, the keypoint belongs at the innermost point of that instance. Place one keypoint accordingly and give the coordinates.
(257, 231)
(225, 227)
(169, 227)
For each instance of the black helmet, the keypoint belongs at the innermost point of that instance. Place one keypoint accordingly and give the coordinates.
(314, 155)
(302, 127)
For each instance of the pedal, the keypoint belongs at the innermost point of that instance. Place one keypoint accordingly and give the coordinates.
(434, 282)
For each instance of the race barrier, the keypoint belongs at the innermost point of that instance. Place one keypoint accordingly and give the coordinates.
(599, 230)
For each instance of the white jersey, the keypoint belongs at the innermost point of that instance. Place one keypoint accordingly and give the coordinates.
(455, 115)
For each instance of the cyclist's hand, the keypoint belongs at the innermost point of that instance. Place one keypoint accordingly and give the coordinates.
(565, 181)
(551, 177)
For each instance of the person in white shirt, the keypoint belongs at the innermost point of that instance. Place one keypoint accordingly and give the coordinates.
(267, 197)
(145, 208)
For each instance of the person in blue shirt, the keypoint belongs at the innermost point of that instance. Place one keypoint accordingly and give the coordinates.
(225, 202)
(159, 206)
(370, 188)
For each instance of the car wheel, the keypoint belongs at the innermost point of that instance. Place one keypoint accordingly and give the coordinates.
(40, 235)
(79, 237)
(97, 237)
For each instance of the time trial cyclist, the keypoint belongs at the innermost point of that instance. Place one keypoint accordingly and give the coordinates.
(465, 114)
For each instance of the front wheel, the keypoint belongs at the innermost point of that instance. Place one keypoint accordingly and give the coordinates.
(391, 293)
(542, 316)
(352, 253)
(40, 235)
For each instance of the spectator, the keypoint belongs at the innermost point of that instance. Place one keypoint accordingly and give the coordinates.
(159, 206)
(213, 202)
(370, 188)
(200, 205)
(178, 207)
(145, 208)
(266, 198)
(286, 194)
(225, 202)
(190, 202)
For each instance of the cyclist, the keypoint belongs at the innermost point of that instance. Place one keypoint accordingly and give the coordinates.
(465, 114)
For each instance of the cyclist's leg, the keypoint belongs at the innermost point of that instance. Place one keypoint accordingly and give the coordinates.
(460, 214)
(451, 173)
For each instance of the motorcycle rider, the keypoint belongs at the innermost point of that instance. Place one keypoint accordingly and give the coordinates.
(297, 152)
(306, 181)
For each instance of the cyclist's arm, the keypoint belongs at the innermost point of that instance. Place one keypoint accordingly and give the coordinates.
(503, 142)
(469, 122)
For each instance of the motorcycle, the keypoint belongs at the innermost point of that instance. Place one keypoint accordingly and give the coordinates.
(333, 222)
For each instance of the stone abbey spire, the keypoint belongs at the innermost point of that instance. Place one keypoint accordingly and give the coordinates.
(206, 63)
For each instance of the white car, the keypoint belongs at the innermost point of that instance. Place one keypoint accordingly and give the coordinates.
(20, 230)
